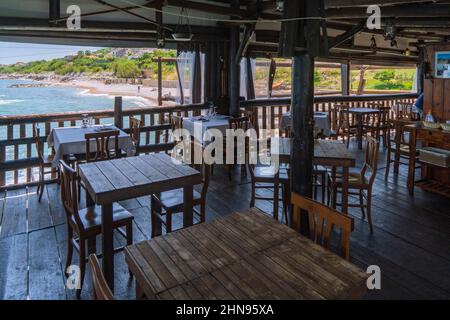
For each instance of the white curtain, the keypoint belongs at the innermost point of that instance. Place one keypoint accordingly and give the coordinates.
(186, 65)
(244, 76)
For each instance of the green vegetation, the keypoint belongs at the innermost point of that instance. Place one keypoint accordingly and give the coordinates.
(386, 79)
(100, 61)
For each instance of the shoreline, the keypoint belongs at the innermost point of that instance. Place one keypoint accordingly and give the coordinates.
(147, 95)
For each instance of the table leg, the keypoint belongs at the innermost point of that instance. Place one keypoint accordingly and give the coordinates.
(156, 223)
(345, 190)
(276, 196)
(412, 161)
(108, 244)
(188, 212)
(360, 131)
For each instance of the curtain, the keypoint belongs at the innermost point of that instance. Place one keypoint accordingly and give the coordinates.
(185, 70)
(244, 89)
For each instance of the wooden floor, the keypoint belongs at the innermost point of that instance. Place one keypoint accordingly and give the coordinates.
(410, 243)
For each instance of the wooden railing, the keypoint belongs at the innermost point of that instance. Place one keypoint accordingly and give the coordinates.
(18, 154)
(269, 111)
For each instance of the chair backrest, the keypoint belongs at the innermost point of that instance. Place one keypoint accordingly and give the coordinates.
(101, 288)
(39, 144)
(403, 110)
(239, 123)
(204, 168)
(135, 131)
(383, 116)
(69, 193)
(370, 164)
(176, 121)
(252, 117)
(321, 222)
(102, 142)
(339, 116)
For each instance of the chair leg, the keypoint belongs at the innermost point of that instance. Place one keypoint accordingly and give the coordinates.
(361, 203)
(202, 212)
(388, 164)
(129, 238)
(69, 249)
(369, 209)
(41, 183)
(252, 200)
(82, 254)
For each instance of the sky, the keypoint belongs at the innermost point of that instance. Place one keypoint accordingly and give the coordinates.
(12, 52)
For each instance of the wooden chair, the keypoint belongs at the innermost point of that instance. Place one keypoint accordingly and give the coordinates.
(242, 123)
(135, 133)
(398, 146)
(403, 111)
(266, 177)
(379, 125)
(101, 289)
(84, 225)
(361, 181)
(322, 217)
(45, 162)
(171, 202)
(340, 123)
(252, 117)
(102, 142)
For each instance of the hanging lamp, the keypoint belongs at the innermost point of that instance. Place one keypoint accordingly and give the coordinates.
(180, 33)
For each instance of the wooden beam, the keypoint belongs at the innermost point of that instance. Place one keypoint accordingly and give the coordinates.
(233, 71)
(419, 10)
(248, 32)
(54, 10)
(346, 35)
(234, 11)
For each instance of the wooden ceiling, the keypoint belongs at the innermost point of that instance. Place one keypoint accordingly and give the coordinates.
(139, 23)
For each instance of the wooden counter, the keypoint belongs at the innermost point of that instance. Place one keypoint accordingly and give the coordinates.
(434, 179)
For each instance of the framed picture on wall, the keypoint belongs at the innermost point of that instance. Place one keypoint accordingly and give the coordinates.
(442, 67)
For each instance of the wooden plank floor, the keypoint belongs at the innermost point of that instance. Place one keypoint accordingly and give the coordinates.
(410, 243)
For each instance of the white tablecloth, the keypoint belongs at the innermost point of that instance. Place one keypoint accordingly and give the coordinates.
(322, 124)
(70, 140)
(197, 128)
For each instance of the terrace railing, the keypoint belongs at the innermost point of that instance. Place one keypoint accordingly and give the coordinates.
(18, 154)
(269, 111)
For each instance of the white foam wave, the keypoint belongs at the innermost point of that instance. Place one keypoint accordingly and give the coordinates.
(10, 101)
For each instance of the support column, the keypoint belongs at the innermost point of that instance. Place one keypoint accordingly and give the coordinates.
(302, 108)
(345, 79)
(233, 72)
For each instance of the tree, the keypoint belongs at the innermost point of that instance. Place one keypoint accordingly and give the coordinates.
(124, 68)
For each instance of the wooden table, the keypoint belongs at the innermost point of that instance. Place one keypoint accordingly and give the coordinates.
(241, 256)
(434, 179)
(326, 153)
(121, 179)
(359, 113)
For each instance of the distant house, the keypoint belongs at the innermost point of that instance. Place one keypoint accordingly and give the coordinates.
(69, 57)
(120, 52)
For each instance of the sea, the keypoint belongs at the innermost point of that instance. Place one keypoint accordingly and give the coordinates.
(41, 100)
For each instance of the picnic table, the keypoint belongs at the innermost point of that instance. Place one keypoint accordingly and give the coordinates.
(126, 178)
(242, 256)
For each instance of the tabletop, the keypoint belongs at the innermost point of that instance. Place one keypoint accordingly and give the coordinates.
(323, 149)
(197, 127)
(321, 120)
(131, 177)
(246, 255)
(363, 110)
(71, 140)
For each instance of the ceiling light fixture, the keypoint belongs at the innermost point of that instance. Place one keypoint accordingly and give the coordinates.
(180, 33)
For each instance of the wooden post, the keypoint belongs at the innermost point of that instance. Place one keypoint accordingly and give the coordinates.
(197, 83)
(272, 70)
(118, 114)
(54, 11)
(159, 81)
(250, 84)
(302, 108)
(345, 78)
(362, 81)
(233, 72)
(421, 70)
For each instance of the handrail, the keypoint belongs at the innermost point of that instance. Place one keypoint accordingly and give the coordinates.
(323, 99)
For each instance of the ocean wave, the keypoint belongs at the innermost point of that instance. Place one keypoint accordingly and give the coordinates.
(10, 101)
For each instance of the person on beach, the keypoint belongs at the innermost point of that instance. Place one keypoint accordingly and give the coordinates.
(139, 89)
